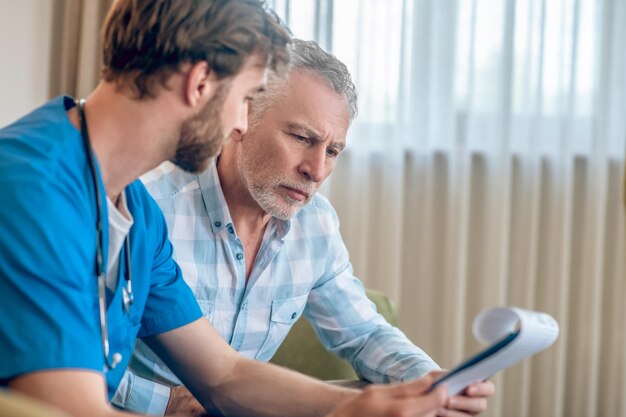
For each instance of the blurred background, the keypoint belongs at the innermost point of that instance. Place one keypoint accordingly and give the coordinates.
(486, 166)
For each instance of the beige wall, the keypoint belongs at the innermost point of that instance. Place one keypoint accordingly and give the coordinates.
(25, 55)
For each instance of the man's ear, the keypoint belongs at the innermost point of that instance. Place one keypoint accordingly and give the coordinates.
(200, 83)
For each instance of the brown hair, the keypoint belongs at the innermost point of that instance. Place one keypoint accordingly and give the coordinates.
(146, 41)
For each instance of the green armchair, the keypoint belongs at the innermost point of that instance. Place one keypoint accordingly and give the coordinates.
(303, 352)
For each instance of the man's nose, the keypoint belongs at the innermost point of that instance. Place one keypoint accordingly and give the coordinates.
(313, 168)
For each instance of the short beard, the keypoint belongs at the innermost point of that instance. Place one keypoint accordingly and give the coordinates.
(276, 206)
(265, 194)
(202, 135)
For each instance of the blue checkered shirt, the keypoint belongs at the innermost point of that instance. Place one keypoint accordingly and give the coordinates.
(302, 267)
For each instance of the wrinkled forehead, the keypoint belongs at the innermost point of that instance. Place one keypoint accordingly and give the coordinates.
(310, 93)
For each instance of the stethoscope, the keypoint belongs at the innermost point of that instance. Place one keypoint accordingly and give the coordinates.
(127, 291)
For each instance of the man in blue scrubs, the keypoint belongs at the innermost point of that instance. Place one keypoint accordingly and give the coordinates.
(176, 81)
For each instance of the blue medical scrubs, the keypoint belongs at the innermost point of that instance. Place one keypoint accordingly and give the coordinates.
(48, 288)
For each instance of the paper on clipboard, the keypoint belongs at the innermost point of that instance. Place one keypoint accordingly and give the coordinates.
(514, 334)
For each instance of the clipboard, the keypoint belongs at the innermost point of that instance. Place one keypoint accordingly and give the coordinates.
(514, 334)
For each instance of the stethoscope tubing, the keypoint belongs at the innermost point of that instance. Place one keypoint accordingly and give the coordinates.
(109, 361)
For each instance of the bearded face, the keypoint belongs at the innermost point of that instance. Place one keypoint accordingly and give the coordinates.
(202, 135)
(269, 186)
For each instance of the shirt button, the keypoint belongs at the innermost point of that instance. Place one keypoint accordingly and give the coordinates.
(231, 230)
(218, 224)
(293, 316)
(239, 256)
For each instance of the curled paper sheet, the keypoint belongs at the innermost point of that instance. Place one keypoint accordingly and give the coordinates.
(514, 334)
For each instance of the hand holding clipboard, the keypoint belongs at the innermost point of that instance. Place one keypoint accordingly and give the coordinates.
(514, 334)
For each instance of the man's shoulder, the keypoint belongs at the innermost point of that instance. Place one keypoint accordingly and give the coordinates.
(42, 163)
(168, 180)
(39, 141)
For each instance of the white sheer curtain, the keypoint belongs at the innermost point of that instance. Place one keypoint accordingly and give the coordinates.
(486, 168)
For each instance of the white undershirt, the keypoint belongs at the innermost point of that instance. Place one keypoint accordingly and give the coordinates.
(120, 222)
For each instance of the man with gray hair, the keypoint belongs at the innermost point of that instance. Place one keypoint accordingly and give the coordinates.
(260, 248)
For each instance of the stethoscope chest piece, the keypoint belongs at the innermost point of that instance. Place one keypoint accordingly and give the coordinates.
(127, 298)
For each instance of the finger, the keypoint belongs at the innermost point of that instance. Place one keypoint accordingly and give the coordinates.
(422, 405)
(409, 389)
(481, 389)
(438, 373)
(446, 412)
(472, 405)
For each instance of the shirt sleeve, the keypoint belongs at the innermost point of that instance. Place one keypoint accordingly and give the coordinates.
(349, 325)
(141, 395)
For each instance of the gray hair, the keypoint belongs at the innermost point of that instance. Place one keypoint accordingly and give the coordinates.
(307, 55)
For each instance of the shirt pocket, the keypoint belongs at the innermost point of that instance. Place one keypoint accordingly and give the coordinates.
(284, 313)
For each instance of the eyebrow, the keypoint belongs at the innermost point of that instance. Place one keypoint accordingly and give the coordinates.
(313, 135)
